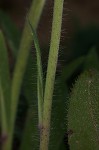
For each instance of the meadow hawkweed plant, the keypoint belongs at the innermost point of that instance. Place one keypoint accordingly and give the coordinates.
(52, 118)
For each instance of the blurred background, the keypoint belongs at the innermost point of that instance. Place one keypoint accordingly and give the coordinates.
(78, 16)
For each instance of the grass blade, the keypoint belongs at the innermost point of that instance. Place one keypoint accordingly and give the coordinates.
(34, 67)
(40, 76)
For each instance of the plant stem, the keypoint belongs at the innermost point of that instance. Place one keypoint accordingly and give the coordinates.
(51, 70)
(20, 67)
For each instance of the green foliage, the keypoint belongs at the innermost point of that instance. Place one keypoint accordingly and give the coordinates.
(83, 114)
(53, 121)
(40, 90)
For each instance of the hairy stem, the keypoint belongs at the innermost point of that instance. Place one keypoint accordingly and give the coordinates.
(51, 70)
(34, 17)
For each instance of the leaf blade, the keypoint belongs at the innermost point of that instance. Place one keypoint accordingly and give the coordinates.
(83, 112)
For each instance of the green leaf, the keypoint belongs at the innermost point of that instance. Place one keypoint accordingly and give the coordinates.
(60, 106)
(33, 91)
(12, 33)
(39, 76)
(83, 114)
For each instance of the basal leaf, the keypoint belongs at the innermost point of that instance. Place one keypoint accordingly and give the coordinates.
(83, 114)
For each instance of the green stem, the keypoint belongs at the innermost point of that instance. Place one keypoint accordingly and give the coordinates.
(20, 67)
(51, 70)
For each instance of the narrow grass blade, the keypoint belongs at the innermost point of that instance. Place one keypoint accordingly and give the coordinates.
(83, 114)
(40, 75)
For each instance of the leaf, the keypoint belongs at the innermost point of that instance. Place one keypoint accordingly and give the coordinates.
(33, 91)
(83, 113)
(39, 76)
(60, 106)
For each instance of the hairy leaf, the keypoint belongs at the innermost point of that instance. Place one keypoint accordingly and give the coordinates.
(83, 114)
